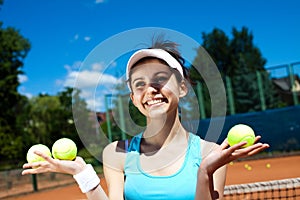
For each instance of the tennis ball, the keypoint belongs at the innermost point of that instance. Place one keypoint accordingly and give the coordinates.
(240, 133)
(64, 149)
(32, 157)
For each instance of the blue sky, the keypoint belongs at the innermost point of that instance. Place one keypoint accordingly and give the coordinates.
(64, 32)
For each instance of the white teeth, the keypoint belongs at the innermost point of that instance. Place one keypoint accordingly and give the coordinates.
(152, 102)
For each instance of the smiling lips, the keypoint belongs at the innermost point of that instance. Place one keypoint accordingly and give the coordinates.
(156, 101)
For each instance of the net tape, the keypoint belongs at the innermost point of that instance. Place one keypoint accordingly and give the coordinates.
(262, 186)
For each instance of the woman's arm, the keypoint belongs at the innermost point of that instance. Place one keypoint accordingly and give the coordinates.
(113, 170)
(75, 167)
(97, 193)
(113, 165)
(219, 179)
(207, 187)
(216, 181)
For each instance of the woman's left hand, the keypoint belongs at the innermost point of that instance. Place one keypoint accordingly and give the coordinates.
(225, 154)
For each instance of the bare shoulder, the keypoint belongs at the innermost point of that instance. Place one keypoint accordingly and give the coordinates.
(207, 147)
(114, 155)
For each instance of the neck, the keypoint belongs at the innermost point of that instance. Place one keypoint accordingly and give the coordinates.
(161, 131)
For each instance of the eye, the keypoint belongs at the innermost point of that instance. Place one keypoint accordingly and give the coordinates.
(160, 79)
(139, 84)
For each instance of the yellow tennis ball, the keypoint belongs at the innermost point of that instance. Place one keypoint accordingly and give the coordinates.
(32, 157)
(240, 133)
(64, 149)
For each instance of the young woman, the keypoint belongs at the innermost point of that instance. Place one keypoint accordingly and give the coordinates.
(164, 161)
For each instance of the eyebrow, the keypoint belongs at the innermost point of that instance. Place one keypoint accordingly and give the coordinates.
(157, 73)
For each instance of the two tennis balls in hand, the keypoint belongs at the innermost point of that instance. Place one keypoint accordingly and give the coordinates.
(62, 149)
(65, 149)
(241, 133)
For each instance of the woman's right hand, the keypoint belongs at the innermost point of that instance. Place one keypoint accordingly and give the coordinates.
(54, 165)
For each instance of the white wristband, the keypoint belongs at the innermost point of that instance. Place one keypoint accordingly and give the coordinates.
(87, 179)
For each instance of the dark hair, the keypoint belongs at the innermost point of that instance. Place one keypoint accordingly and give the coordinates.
(172, 48)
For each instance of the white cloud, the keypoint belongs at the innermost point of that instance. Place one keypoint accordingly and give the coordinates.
(76, 37)
(87, 38)
(28, 95)
(92, 82)
(22, 90)
(79, 38)
(59, 82)
(99, 1)
(87, 79)
(76, 65)
(113, 64)
(96, 103)
(22, 78)
(97, 66)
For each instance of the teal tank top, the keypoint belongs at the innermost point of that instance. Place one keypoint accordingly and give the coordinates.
(180, 186)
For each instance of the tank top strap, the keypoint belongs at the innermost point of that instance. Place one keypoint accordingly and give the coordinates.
(195, 148)
(135, 143)
(194, 143)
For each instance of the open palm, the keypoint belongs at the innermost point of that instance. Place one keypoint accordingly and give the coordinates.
(225, 154)
(54, 165)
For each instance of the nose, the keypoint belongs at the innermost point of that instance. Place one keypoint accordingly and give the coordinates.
(153, 88)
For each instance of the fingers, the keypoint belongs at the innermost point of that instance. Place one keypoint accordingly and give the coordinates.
(257, 138)
(44, 156)
(224, 144)
(35, 168)
(35, 171)
(258, 149)
(38, 167)
(35, 164)
(79, 160)
(249, 151)
(237, 147)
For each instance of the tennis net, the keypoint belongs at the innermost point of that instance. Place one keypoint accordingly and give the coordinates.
(278, 189)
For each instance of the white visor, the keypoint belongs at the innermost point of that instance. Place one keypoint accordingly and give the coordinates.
(156, 53)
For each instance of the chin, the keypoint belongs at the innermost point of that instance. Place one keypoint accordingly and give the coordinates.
(158, 113)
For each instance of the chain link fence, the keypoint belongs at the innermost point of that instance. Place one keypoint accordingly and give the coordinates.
(12, 182)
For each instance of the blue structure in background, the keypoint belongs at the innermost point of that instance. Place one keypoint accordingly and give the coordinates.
(278, 127)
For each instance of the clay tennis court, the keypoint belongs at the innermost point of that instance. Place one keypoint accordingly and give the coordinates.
(238, 172)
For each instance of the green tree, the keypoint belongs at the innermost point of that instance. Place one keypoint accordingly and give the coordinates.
(124, 111)
(68, 128)
(45, 119)
(13, 50)
(239, 59)
(246, 61)
(212, 56)
(50, 118)
(87, 126)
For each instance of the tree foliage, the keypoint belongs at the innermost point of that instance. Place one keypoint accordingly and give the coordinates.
(51, 118)
(238, 59)
(24, 121)
(125, 113)
(13, 50)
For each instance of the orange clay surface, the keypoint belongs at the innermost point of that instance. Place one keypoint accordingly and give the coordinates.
(238, 172)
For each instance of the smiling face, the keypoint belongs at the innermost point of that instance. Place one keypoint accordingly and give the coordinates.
(155, 89)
